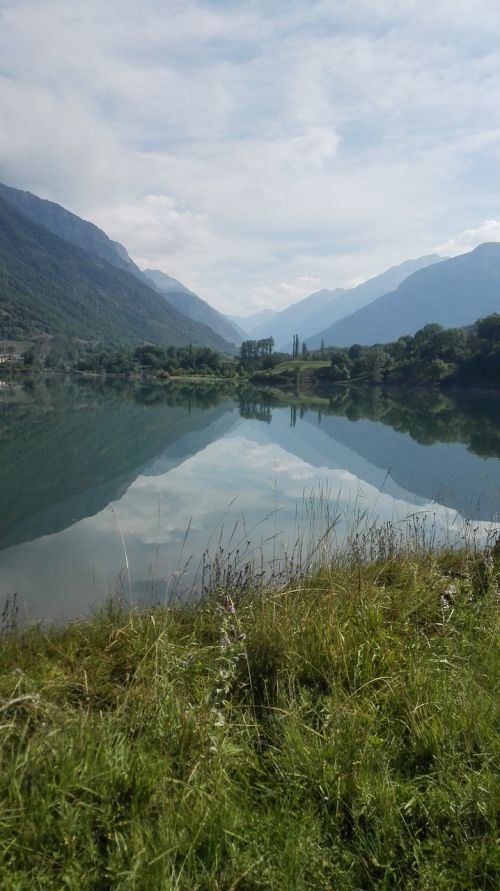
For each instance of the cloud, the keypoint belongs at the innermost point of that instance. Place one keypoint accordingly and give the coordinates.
(56, 147)
(158, 226)
(470, 238)
(241, 145)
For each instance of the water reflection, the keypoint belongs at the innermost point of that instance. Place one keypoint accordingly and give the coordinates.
(229, 465)
(69, 448)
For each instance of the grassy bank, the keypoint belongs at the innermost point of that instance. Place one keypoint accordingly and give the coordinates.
(338, 733)
(295, 373)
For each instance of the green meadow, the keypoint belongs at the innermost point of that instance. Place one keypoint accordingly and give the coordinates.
(335, 732)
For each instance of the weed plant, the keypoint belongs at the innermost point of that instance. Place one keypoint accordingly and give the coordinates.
(336, 730)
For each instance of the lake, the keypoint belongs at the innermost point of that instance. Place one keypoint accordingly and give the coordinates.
(124, 487)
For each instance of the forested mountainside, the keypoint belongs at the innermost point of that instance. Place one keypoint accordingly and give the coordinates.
(90, 238)
(70, 227)
(193, 306)
(51, 287)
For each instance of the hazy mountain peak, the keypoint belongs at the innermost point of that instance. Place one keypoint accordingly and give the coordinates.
(246, 325)
(452, 293)
(322, 308)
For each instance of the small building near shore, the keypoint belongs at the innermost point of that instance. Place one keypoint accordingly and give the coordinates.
(10, 358)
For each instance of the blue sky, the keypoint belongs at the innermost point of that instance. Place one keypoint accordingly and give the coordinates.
(259, 150)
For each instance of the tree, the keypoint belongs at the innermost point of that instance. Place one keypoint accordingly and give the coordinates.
(374, 363)
(256, 353)
(489, 327)
(340, 364)
(437, 371)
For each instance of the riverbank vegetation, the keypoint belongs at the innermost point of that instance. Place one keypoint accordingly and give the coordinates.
(434, 356)
(159, 361)
(336, 731)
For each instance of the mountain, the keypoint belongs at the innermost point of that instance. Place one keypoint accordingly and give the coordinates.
(71, 228)
(323, 308)
(244, 335)
(192, 306)
(246, 325)
(49, 286)
(86, 235)
(452, 293)
(293, 319)
(166, 283)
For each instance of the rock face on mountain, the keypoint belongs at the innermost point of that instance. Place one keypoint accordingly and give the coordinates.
(49, 286)
(323, 308)
(452, 293)
(192, 306)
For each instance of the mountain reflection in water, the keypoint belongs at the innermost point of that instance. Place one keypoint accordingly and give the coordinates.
(171, 457)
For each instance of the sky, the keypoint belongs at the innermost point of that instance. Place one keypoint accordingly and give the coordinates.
(259, 150)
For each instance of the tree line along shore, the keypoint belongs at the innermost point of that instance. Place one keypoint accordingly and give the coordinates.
(434, 356)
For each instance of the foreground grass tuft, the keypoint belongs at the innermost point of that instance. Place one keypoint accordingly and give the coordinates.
(334, 734)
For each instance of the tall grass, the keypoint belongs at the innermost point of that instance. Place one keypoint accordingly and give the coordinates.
(326, 530)
(333, 731)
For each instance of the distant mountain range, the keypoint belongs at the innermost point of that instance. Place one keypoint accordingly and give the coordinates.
(452, 293)
(323, 308)
(192, 306)
(246, 325)
(61, 275)
(34, 298)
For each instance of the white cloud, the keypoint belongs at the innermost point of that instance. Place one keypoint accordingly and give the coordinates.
(470, 238)
(157, 226)
(56, 147)
(240, 145)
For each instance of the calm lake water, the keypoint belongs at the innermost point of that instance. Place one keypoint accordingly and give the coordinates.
(115, 486)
